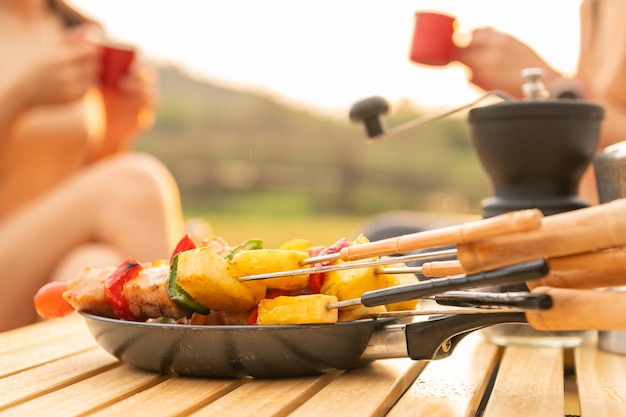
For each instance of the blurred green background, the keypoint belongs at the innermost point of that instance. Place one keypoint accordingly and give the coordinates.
(253, 167)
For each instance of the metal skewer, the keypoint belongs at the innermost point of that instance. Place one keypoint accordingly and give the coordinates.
(434, 312)
(507, 275)
(352, 265)
(428, 269)
(513, 222)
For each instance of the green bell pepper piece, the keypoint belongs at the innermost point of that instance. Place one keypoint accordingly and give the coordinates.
(178, 294)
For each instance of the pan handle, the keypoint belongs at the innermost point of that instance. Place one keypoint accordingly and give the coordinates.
(523, 300)
(437, 337)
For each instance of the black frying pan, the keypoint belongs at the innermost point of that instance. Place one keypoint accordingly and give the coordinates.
(281, 351)
(292, 350)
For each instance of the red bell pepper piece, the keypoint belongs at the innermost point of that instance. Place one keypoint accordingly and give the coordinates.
(186, 243)
(316, 281)
(254, 314)
(114, 287)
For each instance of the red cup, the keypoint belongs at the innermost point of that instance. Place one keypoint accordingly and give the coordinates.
(115, 61)
(432, 38)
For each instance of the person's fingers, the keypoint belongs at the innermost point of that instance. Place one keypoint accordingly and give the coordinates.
(475, 48)
(141, 82)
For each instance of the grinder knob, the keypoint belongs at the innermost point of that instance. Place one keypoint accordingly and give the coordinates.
(368, 111)
(533, 86)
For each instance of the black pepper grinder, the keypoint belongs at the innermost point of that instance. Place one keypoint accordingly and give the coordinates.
(535, 150)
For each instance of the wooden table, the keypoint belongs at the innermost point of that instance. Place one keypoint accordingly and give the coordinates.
(55, 368)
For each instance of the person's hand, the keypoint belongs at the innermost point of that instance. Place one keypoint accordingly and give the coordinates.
(129, 106)
(134, 96)
(63, 73)
(496, 60)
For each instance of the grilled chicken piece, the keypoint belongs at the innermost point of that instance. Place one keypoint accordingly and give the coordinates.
(218, 245)
(147, 294)
(86, 292)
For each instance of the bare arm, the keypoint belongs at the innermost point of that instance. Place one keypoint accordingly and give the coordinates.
(495, 61)
(13, 105)
(60, 76)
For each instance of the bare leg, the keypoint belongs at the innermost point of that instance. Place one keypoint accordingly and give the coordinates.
(97, 255)
(128, 204)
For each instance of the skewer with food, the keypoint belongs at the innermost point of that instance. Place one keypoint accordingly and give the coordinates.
(299, 284)
(199, 285)
(209, 283)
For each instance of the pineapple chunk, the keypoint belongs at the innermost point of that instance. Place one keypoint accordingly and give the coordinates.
(301, 309)
(356, 313)
(352, 283)
(394, 280)
(207, 278)
(296, 244)
(261, 261)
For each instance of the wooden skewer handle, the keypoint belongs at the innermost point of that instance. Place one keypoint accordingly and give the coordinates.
(517, 221)
(580, 310)
(574, 232)
(588, 270)
(442, 268)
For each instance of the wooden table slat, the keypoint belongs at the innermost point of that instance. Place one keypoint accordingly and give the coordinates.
(35, 355)
(530, 379)
(368, 391)
(89, 394)
(29, 384)
(601, 379)
(451, 387)
(41, 333)
(157, 400)
(266, 397)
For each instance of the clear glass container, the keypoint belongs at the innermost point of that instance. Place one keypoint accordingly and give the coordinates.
(525, 335)
(521, 334)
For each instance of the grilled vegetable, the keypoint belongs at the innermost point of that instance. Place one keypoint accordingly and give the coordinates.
(317, 280)
(352, 283)
(49, 302)
(250, 244)
(356, 313)
(301, 309)
(209, 279)
(262, 261)
(114, 287)
(179, 295)
(186, 243)
(393, 280)
(296, 244)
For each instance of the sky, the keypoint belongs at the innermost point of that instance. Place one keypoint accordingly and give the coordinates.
(324, 55)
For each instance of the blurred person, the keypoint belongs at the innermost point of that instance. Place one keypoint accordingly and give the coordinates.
(495, 60)
(71, 192)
